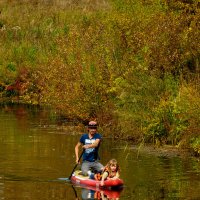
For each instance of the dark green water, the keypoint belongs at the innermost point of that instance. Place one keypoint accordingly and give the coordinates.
(35, 153)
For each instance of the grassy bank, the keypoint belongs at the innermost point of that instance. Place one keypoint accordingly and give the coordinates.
(132, 65)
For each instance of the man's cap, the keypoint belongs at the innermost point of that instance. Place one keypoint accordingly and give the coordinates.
(92, 124)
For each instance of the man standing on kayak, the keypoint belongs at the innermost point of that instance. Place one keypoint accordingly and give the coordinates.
(90, 142)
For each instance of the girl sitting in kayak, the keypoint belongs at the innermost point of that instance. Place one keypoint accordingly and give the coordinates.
(111, 171)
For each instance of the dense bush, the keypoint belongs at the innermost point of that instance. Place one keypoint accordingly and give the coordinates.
(133, 65)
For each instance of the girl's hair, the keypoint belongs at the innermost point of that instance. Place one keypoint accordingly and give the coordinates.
(113, 162)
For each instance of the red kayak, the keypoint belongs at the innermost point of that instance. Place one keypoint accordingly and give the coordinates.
(110, 184)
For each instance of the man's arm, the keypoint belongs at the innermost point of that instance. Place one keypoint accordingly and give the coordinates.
(93, 145)
(76, 151)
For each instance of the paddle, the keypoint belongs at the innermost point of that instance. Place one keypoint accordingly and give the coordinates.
(75, 192)
(76, 165)
(68, 179)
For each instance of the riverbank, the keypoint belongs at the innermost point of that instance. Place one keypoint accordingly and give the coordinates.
(164, 151)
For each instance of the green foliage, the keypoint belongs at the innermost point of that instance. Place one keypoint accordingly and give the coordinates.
(167, 123)
(130, 64)
(11, 67)
(1, 24)
(175, 119)
(195, 144)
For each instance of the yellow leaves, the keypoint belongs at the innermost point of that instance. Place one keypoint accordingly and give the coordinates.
(195, 144)
(96, 63)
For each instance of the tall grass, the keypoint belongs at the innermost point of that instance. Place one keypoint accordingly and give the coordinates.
(132, 65)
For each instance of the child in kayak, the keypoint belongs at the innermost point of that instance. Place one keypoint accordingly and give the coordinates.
(111, 171)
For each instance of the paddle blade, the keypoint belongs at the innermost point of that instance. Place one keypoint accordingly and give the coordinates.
(63, 179)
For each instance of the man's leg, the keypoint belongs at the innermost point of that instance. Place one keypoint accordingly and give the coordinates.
(85, 167)
(97, 166)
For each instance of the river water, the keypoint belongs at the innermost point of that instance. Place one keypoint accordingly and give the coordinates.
(35, 154)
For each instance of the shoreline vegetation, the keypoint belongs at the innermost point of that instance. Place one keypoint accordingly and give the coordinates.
(134, 66)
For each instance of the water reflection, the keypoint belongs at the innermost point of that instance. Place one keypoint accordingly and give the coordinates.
(1, 187)
(91, 193)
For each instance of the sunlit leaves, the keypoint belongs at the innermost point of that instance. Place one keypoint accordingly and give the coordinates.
(123, 62)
